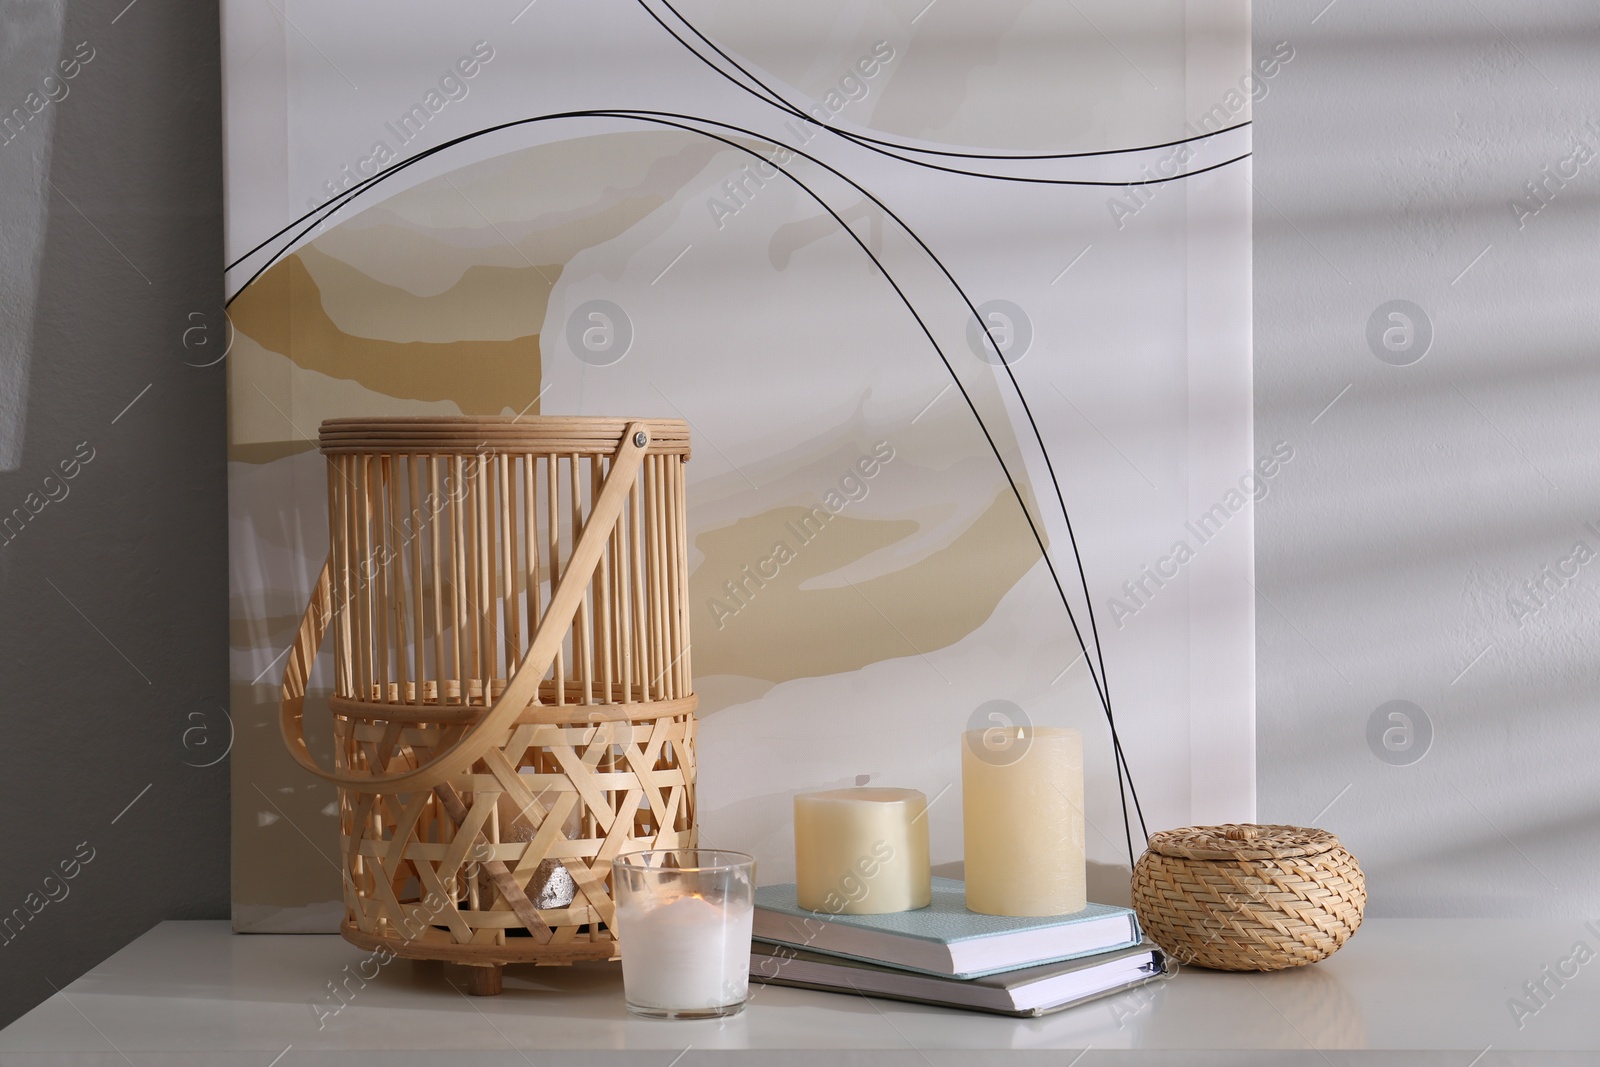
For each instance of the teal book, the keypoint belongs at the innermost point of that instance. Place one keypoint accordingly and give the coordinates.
(944, 938)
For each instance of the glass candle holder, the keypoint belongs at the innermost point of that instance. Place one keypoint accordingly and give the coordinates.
(683, 927)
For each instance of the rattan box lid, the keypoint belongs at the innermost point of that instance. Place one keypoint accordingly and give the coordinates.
(1242, 841)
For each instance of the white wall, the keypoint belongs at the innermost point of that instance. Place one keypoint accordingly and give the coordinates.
(1387, 157)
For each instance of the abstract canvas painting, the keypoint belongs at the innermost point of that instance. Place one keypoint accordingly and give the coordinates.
(955, 297)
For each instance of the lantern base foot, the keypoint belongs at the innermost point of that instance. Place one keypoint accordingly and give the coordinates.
(482, 980)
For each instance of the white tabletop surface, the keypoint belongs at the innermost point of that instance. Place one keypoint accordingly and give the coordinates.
(1412, 991)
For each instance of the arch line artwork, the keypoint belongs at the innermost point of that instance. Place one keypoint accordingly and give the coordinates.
(1094, 659)
(893, 150)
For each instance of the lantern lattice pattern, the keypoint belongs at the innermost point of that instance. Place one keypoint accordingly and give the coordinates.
(512, 699)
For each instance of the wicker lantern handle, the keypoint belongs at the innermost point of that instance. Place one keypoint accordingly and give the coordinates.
(522, 688)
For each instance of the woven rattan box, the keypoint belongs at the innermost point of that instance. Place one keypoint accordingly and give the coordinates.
(1242, 897)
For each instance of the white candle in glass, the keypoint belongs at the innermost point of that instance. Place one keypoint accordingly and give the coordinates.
(684, 953)
(1022, 796)
(862, 851)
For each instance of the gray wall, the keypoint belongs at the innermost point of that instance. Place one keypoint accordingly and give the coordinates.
(1417, 506)
(1387, 157)
(113, 598)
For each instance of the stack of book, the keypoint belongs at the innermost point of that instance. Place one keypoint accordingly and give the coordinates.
(946, 955)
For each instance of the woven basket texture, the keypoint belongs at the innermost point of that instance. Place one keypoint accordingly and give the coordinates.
(1245, 897)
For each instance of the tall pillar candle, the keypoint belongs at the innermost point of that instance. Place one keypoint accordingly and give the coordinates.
(1022, 792)
(862, 851)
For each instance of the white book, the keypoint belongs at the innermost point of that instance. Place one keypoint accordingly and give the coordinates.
(1026, 991)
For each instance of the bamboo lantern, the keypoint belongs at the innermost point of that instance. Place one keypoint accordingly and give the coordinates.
(512, 701)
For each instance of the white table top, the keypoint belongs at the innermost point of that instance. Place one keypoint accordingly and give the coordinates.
(194, 993)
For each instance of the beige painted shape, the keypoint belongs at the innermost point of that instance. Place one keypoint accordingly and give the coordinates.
(269, 390)
(283, 312)
(431, 262)
(488, 303)
(783, 631)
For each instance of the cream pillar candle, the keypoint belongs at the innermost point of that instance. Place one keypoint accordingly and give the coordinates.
(1022, 792)
(862, 851)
